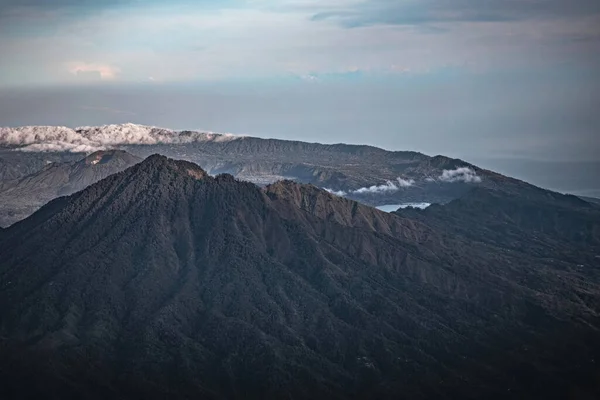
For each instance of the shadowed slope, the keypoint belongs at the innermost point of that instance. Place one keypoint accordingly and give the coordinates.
(536, 222)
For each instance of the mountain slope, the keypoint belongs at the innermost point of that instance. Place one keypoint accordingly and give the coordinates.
(353, 169)
(21, 197)
(365, 173)
(18, 164)
(590, 199)
(538, 222)
(163, 281)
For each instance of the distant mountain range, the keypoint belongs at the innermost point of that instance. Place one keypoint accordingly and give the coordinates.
(579, 177)
(367, 174)
(21, 196)
(162, 281)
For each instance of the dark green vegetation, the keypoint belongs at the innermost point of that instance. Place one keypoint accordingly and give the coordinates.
(21, 196)
(163, 282)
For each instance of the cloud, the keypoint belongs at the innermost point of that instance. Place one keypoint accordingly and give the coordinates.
(461, 174)
(5, 4)
(237, 41)
(421, 205)
(87, 139)
(389, 186)
(60, 146)
(394, 12)
(405, 183)
(92, 70)
(89, 75)
(339, 193)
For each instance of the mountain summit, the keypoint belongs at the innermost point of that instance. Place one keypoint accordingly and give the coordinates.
(162, 281)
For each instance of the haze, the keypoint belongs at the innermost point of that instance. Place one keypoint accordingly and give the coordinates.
(511, 85)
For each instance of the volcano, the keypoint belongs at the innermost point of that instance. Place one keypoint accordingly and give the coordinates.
(162, 281)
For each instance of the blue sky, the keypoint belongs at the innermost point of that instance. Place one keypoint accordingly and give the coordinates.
(460, 77)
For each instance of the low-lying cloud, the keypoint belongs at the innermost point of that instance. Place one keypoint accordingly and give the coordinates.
(89, 139)
(395, 207)
(389, 186)
(339, 193)
(461, 174)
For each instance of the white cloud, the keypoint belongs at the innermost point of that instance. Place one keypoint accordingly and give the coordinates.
(461, 174)
(58, 146)
(405, 182)
(389, 186)
(339, 193)
(87, 139)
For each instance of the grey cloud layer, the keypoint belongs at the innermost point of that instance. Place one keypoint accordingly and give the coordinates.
(7, 6)
(433, 11)
(75, 8)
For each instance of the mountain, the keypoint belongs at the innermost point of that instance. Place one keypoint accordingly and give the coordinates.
(537, 222)
(26, 149)
(21, 197)
(18, 164)
(162, 281)
(590, 199)
(368, 174)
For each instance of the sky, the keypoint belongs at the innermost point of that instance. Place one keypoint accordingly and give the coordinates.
(485, 79)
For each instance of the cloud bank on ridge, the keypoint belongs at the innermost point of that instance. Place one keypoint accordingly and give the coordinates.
(89, 139)
(389, 186)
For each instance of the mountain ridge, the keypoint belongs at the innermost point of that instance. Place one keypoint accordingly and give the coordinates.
(20, 197)
(365, 173)
(162, 280)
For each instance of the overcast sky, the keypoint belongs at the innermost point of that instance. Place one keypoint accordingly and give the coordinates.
(491, 78)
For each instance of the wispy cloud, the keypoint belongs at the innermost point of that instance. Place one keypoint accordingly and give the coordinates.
(103, 71)
(389, 186)
(396, 12)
